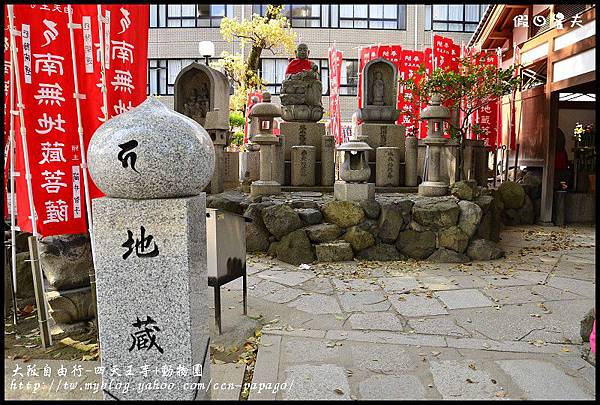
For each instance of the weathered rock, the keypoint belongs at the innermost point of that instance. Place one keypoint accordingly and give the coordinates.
(482, 249)
(323, 232)
(369, 225)
(394, 218)
(532, 184)
(453, 238)
(537, 206)
(24, 276)
(491, 220)
(280, 219)
(231, 201)
(464, 190)
(469, 218)
(358, 238)
(436, 213)
(70, 306)
(343, 213)
(257, 235)
(22, 241)
(309, 216)
(66, 260)
(305, 204)
(380, 252)
(586, 325)
(443, 255)
(484, 202)
(418, 245)
(512, 194)
(334, 252)
(293, 248)
(372, 208)
(526, 213)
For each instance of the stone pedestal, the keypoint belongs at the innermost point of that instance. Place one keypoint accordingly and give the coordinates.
(327, 160)
(302, 133)
(377, 135)
(303, 165)
(253, 165)
(266, 185)
(344, 191)
(410, 162)
(434, 186)
(449, 161)
(152, 294)
(387, 167)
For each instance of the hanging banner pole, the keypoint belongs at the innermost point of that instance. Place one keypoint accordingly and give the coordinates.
(13, 213)
(86, 187)
(102, 62)
(34, 252)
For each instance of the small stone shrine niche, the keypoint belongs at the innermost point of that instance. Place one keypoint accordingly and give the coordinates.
(301, 90)
(379, 96)
(200, 89)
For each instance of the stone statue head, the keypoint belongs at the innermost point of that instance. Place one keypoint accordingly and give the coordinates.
(302, 51)
(378, 75)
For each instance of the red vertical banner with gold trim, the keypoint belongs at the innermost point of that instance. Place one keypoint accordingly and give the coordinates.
(46, 83)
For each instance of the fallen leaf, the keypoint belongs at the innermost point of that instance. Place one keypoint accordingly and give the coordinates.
(339, 391)
(472, 366)
(471, 381)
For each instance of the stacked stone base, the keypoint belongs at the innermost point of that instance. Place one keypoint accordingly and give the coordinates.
(302, 228)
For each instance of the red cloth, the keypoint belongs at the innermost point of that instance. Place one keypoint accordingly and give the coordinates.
(561, 161)
(298, 65)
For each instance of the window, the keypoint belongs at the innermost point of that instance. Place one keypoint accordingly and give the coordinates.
(371, 16)
(454, 17)
(272, 71)
(374, 16)
(188, 15)
(163, 72)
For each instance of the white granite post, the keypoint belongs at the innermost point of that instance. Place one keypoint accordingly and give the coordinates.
(303, 165)
(387, 167)
(410, 165)
(327, 161)
(150, 254)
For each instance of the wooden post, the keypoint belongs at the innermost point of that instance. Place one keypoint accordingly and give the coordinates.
(507, 162)
(516, 162)
(495, 165)
(38, 287)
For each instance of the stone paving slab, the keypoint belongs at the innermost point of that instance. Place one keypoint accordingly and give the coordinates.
(356, 285)
(464, 299)
(364, 301)
(583, 288)
(397, 284)
(388, 387)
(289, 278)
(376, 321)
(316, 304)
(416, 305)
(436, 283)
(326, 381)
(542, 380)
(439, 325)
(454, 379)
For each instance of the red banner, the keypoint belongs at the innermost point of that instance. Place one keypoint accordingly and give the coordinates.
(7, 108)
(335, 115)
(487, 117)
(409, 105)
(249, 104)
(445, 53)
(48, 90)
(46, 81)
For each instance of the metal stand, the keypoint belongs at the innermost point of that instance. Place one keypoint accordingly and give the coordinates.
(8, 247)
(516, 162)
(216, 284)
(40, 297)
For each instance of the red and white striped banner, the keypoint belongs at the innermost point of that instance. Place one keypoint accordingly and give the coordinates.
(335, 114)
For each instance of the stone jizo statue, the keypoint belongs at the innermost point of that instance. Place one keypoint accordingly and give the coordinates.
(378, 89)
(301, 62)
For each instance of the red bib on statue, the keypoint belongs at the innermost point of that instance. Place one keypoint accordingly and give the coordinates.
(298, 65)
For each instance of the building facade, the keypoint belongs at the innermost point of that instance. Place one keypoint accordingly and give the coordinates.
(176, 30)
(555, 44)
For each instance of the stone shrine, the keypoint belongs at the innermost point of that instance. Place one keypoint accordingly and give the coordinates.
(218, 128)
(150, 242)
(378, 113)
(301, 93)
(200, 89)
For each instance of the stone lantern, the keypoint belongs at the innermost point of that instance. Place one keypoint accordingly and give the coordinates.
(264, 114)
(217, 125)
(354, 173)
(434, 114)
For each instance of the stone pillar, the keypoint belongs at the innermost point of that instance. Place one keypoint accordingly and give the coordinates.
(302, 133)
(253, 164)
(278, 160)
(377, 135)
(327, 161)
(216, 181)
(410, 162)
(150, 252)
(387, 167)
(303, 165)
(231, 169)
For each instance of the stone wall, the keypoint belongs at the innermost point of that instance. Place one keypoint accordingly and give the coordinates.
(305, 227)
